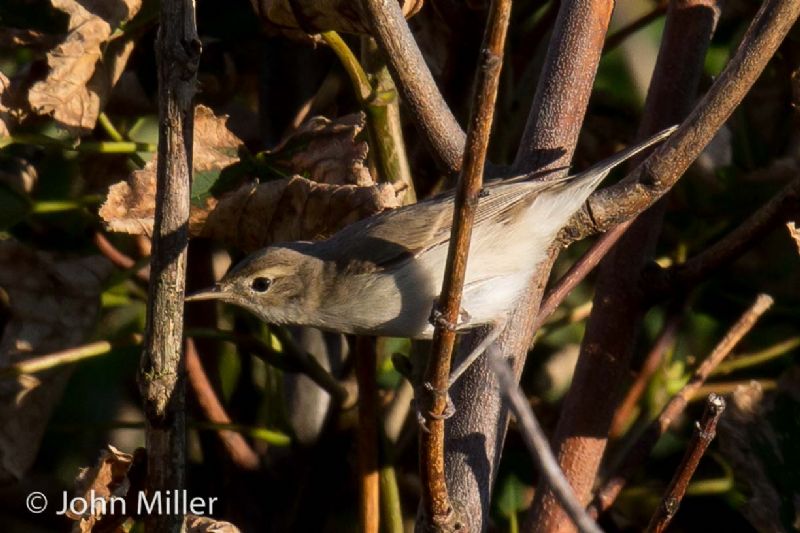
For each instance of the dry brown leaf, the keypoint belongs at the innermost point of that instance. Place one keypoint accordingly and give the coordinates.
(205, 524)
(794, 233)
(321, 15)
(291, 209)
(52, 306)
(326, 151)
(107, 478)
(82, 73)
(254, 214)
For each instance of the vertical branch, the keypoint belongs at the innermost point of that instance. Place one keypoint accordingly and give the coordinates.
(561, 98)
(385, 126)
(368, 478)
(437, 509)
(582, 432)
(161, 377)
(550, 139)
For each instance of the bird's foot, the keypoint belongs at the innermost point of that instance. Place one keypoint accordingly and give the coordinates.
(449, 410)
(437, 318)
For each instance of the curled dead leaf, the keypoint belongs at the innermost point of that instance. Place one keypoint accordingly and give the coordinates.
(314, 16)
(52, 306)
(6, 118)
(237, 209)
(84, 66)
(291, 209)
(325, 151)
(255, 214)
(106, 479)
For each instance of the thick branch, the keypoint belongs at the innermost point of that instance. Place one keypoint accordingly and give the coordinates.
(431, 114)
(661, 171)
(556, 115)
(437, 510)
(613, 326)
(162, 366)
(551, 135)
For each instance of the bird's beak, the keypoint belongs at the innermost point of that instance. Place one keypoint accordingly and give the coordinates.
(212, 293)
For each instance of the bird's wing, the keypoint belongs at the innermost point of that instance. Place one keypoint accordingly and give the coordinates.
(384, 240)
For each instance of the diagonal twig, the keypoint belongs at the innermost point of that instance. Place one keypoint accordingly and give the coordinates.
(606, 496)
(538, 445)
(431, 113)
(704, 433)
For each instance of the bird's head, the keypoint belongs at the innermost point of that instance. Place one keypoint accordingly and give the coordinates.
(277, 284)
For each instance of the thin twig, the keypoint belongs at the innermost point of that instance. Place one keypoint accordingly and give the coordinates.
(729, 248)
(432, 116)
(162, 367)
(618, 307)
(63, 357)
(239, 451)
(292, 359)
(367, 436)
(606, 496)
(664, 341)
(538, 444)
(118, 258)
(578, 272)
(437, 509)
(704, 433)
(757, 358)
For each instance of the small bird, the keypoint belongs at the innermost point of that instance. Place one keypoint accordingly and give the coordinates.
(382, 275)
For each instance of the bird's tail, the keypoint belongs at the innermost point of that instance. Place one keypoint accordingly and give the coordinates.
(599, 171)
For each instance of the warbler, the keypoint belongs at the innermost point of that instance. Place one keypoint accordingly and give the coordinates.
(381, 276)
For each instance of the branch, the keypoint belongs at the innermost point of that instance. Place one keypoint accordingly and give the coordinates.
(368, 478)
(729, 248)
(704, 433)
(162, 365)
(436, 506)
(239, 451)
(613, 327)
(606, 496)
(538, 445)
(655, 176)
(431, 114)
(578, 272)
(666, 339)
(559, 105)
(554, 121)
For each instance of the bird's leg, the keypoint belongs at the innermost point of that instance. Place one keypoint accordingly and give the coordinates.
(494, 331)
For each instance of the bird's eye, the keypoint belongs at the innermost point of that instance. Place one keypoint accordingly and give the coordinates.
(260, 284)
